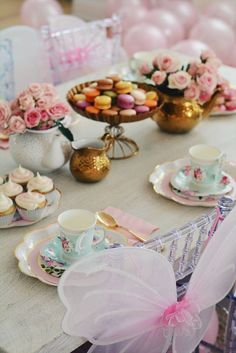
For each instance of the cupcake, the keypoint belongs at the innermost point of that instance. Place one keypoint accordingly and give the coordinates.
(21, 176)
(11, 189)
(31, 205)
(7, 210)
(43, 185)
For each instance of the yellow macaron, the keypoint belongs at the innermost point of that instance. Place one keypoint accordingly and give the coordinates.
(102, 102)
(123, 87)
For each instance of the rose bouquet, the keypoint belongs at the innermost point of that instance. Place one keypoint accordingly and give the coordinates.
(36, 108)
(197, 80)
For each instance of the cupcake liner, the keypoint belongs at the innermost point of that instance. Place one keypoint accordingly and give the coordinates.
(31, 215)
(6, 220)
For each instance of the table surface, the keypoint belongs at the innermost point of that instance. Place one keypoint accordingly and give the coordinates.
(30, 311)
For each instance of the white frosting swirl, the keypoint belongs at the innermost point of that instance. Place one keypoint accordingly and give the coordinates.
(40, 183)
(21, 175)
(11, 189)
(5, 202)
(30, 200)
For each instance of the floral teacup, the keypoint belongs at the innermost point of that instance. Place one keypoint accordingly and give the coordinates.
(205, 168)
(77, 231)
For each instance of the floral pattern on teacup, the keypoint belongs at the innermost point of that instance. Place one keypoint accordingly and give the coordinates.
(198, 174)
(224, 180)
(187, 170)
(66, 244)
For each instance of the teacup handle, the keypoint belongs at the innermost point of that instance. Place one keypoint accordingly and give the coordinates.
(79, 244)
(101, 237)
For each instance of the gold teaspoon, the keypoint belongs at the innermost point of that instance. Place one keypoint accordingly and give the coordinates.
(111, 222)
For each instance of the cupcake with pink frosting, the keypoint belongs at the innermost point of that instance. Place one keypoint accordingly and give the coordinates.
(7, 210)
(21, 176)
(11, 189)
(31, 205)
(43, 185)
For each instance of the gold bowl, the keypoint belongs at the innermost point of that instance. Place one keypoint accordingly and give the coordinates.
(177, 115)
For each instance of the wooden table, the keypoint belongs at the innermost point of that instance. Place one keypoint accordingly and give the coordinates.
(30, 311)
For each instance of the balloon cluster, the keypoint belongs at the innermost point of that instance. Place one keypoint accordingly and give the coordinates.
(179, 25)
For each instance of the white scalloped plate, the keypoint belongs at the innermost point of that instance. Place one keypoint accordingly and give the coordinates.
(161, 176)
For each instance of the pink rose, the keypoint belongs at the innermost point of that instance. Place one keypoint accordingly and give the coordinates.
(207, 82)
(168, 63)
(179, 80)
(215, 62)
(204, 97)
(45, 102)
(49, 88)
(44, 115)
(17, 124)
(36, 90)
(145, 69)
(26, 102)
(206, 68)
(158, 77)
(193, 69)
(32, 118)
(192, 91)
(58, 111)
(14, 104)
(5, 113)
(231, 105)
(207, 54)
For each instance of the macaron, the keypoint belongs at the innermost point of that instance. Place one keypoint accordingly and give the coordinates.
(86, 90)
(114, 77)
(125, 101)
(104, 84)
(82, 104)
(79, 97)
(151, 103)
(128, 112)
(114, 107)
(141, 109)
(102, 102)
(123, 87)
(139, 96)
(110, 112)
(91, 109)
(151, 95)
(91, 95)
(111, 94)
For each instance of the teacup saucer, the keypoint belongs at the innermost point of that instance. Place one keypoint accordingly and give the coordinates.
(29, 253)
(182, 182)
(51, 254)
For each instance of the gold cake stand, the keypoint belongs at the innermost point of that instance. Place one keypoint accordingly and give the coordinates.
(122, 147)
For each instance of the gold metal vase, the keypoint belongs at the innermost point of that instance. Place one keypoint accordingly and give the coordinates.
(89, 162)
(177, 115)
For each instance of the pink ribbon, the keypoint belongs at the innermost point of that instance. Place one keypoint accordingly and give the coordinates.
(218, 219)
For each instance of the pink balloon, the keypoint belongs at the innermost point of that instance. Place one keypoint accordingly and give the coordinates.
(212, 332)
(224, 11)
(216, 34)
(131, 16)
(36, 13)
(168, 23)
(184, 10)
(144, 37)
(190, 47)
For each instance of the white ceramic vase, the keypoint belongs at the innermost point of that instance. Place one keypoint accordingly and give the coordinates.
(42, 151)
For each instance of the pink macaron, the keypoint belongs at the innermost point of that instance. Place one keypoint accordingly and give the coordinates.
(125, 101)
(82, 104)
(142, 109)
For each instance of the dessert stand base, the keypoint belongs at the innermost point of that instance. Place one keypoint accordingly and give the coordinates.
(121, 147)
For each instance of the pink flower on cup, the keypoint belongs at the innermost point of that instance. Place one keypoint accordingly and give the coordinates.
(17, 124)
(197, 173)
(58, 111)
(187, 170)
(5, 113)
(179, 80)
(192, 91)
(32, 118)
(168, 63)
(207, 82)
(26, 102)
(36, 90)
(145, 69)
(158, 77)
(225, 180)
